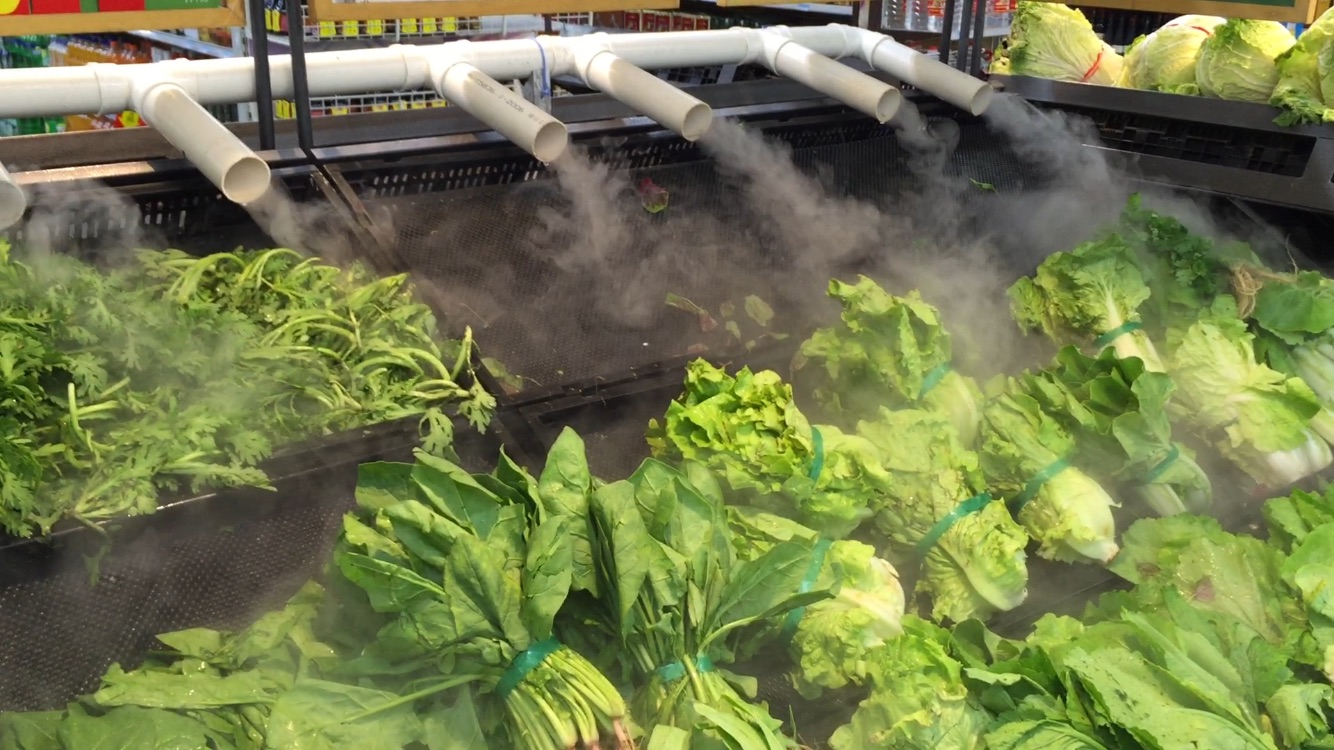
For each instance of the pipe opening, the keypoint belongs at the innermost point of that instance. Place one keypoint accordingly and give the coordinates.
(550, 142)
(981, 100)
(246, 181)
(13, 202)
(888, 104)
(697, 121)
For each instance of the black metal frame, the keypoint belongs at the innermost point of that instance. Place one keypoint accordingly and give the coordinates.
(1312, 190)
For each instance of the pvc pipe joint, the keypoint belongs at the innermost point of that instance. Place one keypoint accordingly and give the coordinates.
(228, 163)
(644, 92)
(950, 84)
(855, 89)
(511, 115)
(13, 201)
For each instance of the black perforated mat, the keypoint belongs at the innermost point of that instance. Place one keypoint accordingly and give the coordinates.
(216, 562)
(558, 301)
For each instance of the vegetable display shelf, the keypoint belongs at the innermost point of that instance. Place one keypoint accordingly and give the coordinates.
(214, 560)
(1211, 145)
(524, 285)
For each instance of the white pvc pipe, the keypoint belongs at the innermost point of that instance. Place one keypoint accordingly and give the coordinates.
(13, 202)
(49, 92)
(509, 114)
(644, 92)
(906, 64)
(857, 90)
(228, 163)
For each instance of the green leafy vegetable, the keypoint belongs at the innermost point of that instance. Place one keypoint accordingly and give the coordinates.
(1049, 40)
(830, 640)
(970, 550)
(1117, 412)
(1303, 76)
(748, 429)
(177, 373)
(1238, 61)
(888, 351)
(1165, 60)
(1025, 455)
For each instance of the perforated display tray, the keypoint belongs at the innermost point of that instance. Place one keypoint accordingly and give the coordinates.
(562, 296)
(217, 560)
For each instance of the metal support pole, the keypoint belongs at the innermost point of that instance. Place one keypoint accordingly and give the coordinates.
(259, 48)
(296, 39)
(947, 31)
(965, 33)
(979, 38)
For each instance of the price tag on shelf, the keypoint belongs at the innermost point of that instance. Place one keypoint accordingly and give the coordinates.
(408, 25)
(375, 28)
(328, 29)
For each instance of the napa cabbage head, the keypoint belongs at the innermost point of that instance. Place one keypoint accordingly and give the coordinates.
(1304, 90)
(1239, 62)
(1166, 59)
(1050, 40)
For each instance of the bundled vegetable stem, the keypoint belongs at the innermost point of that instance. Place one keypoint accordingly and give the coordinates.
(1117, 413)
(505, 557)
(1026, 458)
(937, 516)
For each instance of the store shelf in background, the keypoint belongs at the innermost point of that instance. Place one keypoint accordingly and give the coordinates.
(1285, 11)
(928, 17)
(187, 43)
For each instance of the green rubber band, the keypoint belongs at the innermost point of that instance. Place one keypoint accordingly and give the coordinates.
(676, 670)
(967, 507)
(1163, 465)
(527, 660)
(932, 379)
(817, 445)
(1116, 333)
(818, 553)
(1035, 484)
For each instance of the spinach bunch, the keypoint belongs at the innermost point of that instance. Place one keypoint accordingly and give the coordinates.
(468, 573)
(672, 597)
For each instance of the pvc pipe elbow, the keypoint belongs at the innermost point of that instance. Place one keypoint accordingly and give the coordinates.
(857, 90)
(642, 91)
(13, 201)
(228, 163)
(949, 84)
(509, 114)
